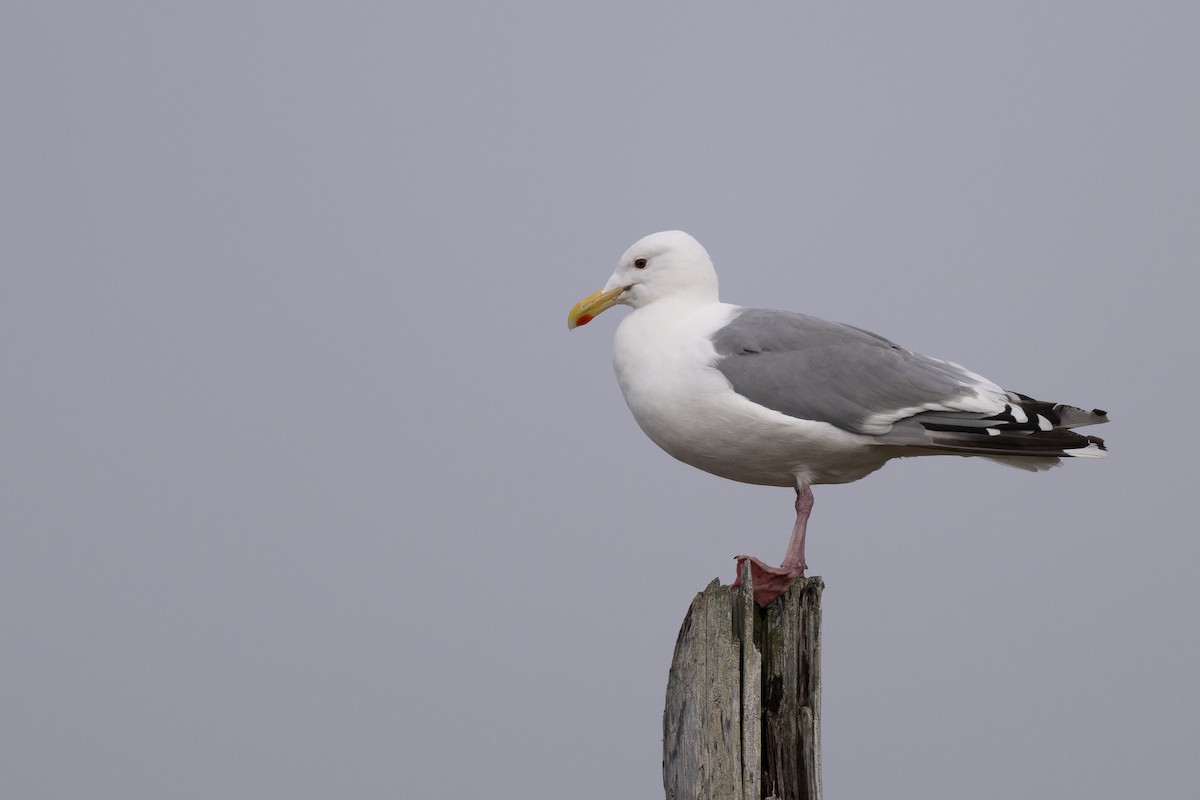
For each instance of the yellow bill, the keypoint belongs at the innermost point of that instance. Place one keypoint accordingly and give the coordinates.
(591, 306)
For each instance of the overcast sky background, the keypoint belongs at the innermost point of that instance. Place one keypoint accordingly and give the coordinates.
(308, 492)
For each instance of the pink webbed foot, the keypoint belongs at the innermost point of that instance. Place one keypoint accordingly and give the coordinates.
(770, 582)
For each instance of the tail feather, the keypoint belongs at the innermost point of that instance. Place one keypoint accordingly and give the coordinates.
(1024, 429)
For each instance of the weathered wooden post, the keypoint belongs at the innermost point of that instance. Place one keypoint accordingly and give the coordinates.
(743, 713)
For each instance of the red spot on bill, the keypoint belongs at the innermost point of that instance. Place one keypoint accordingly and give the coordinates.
(584, 320)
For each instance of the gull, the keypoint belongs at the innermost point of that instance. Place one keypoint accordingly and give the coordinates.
(778, 398)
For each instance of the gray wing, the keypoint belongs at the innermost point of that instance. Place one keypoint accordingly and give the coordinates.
(861, 382)
(854, 379)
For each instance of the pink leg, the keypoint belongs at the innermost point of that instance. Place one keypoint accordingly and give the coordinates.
(770, 582)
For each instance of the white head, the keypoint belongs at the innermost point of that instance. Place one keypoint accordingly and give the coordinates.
(666, 264)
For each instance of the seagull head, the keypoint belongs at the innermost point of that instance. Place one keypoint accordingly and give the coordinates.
(661, 265)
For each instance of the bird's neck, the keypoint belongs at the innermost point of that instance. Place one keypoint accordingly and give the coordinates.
(663, 323)
(681, 304)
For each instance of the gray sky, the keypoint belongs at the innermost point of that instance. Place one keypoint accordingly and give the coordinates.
(308, 492)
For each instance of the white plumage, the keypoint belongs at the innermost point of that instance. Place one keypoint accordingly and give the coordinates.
(784, 399)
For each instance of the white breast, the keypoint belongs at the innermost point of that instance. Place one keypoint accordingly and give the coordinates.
(664, 360)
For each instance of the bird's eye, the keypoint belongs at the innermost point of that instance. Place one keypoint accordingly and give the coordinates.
(640, 263)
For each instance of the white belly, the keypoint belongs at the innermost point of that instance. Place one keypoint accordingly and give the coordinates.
(687, 407)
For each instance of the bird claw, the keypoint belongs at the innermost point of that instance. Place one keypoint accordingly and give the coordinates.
(768, 582)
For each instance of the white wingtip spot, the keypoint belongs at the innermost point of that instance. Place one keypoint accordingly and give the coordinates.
(1091, 451)
(992, 431)
(1018, 414)
(1043, 423)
